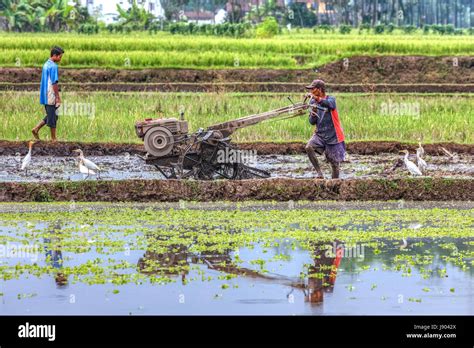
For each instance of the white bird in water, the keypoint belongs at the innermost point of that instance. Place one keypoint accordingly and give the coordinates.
(420, 161)
(91, 166)
(84, 170)
(420, 152)
(412, 168)
(26, 161)
(420, 149)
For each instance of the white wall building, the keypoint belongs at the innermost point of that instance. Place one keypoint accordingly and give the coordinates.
(220, 16)
(106, 10)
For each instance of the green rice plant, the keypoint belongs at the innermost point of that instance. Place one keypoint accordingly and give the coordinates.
(142, 50)
(401, 117)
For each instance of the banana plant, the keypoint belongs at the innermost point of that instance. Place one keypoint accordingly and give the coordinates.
(135, 18)
(60, 14)
(35, 16)
(14, 13)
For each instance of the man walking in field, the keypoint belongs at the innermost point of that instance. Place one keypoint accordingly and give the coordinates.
(328, 137)
(49, 93)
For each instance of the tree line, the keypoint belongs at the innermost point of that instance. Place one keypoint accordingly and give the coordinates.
(64, 15)
(418, 13)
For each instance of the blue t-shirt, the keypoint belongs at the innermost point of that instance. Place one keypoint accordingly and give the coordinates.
(49, 77)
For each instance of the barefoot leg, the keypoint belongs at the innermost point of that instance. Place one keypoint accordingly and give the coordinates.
(53, 135)
(35, 131)
(314, 160)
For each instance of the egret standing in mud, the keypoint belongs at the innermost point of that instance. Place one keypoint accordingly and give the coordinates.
(412, 168)
(89, 165)
(84, 170)
(420, 150)
(420, 161)
(27, 160)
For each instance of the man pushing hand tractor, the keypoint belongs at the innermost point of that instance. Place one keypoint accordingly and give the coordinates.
(328, 138)
(178, 154)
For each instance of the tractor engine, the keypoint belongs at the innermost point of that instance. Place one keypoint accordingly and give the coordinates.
(160, 135)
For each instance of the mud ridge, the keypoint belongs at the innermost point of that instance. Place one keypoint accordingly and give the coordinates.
(420, 189)
(365, 70)
(255, 87)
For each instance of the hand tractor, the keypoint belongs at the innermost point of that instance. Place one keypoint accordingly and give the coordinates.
(177, 154)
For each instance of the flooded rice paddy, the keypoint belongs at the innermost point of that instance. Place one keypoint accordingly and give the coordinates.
(319, 258)
(126, 166)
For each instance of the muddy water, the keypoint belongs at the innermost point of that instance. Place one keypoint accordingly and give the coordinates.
(370, 280)
(126, 166)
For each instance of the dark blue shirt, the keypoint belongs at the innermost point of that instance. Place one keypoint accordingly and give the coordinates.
(325, 117)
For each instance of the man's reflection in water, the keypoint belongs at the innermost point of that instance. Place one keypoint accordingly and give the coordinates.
(54, 256)
(322, 275)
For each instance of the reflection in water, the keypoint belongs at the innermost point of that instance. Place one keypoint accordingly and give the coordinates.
(235, 273)
(322, 274)
(175, 260)
(53, 253)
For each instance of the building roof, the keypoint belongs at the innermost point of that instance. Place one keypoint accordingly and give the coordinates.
(201, 15)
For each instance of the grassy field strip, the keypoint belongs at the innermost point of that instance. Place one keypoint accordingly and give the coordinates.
(164, 50)
(110, 117)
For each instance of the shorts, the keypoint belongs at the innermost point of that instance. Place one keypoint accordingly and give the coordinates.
(51, 117)
(335, 153)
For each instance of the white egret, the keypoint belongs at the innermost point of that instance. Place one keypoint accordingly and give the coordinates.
(91, 166)
(420, 161)
(420, 149)
(27, 160)
(412, 168)
(420, 152)
(84, 170)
